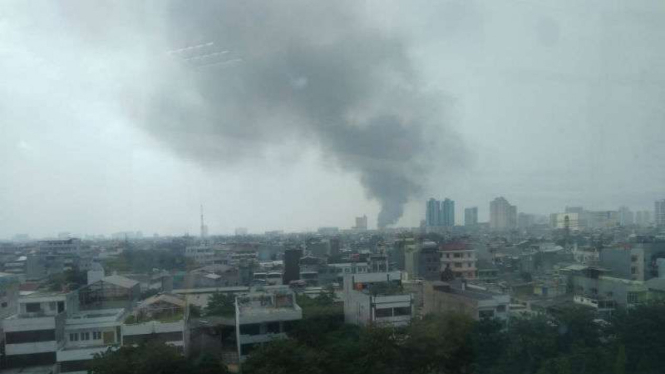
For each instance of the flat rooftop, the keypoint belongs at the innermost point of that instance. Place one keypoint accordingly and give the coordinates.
(211, 290)
(45, 294)
(97, 317)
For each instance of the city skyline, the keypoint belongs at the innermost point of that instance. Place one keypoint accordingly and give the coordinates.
(637, 217)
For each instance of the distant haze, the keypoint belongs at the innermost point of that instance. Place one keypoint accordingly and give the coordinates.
(297, 114)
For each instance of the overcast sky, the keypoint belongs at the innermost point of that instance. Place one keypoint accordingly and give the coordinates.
(306, 114)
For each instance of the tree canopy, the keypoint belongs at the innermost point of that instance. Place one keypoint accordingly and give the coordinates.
(221, 304)
(155, 358)
(572, 342)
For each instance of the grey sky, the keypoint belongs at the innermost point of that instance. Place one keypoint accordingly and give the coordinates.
(549, 103)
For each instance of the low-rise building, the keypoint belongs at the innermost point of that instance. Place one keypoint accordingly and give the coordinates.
(161, 317)
(423, 261)
(201, 255)
(457, 296)
(216, 275)
(377, 298)
(262, 316)
(110, 292)
(460, 258)
(34, 335)
(591, 286)
(86, 334)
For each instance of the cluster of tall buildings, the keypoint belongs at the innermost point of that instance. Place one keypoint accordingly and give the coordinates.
(440, 213)
(504, 216)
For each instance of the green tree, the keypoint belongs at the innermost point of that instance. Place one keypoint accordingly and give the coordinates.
(70, 279)
(208, 363)
(577, 328)
(221, 304)
(620, 362)
(378, 352)
(439, 344)
(489, 343)
(284, 356)
(531, 341)
(642, 332)
(152, 357)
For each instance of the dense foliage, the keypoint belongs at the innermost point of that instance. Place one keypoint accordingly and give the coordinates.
(574, 342)
(70, 279)
(221, 304)
(154, 358)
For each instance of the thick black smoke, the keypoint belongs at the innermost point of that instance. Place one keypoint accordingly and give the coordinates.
(260, 72)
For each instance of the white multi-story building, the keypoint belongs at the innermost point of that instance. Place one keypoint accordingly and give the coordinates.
(34, 335)
(377, 298)
(87, 333)
(263, 316)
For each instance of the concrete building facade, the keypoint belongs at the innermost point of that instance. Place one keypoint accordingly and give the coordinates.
(377, 299)
(503, 215)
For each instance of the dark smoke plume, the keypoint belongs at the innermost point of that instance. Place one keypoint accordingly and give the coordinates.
(258, 73)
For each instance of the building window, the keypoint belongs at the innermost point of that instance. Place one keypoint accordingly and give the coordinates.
(501, 308)
(404, 311)
(85, 336)
(33, 307)
(272, 328)
(30, 336)
(96, 335)
(633, 270)
(382, 313)
(4, 304)
(250, 329)
(633, 297)
(458, 265)
(73, 337)
(486, 314)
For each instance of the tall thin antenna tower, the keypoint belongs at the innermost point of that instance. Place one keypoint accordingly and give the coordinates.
(204, 228)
